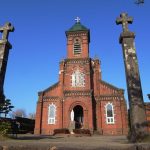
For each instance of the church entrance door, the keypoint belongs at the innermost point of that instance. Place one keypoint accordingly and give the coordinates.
(78, 116)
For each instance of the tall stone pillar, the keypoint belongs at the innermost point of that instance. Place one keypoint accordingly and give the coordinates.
(5, 46)
(135, 96)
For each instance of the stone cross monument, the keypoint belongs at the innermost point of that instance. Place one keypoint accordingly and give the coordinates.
(135, 96)
(4, 52)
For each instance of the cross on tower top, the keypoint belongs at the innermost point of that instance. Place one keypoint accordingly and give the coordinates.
(77, 19)
(124, 20)
(5, 30)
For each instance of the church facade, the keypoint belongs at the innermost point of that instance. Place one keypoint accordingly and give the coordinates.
(80, 95)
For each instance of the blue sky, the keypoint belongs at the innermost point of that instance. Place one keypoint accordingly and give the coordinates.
(39, 42)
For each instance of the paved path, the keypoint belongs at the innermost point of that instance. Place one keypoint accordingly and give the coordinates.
(94, 142)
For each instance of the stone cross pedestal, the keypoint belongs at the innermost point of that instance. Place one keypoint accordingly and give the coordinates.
(4, 52)
(135, 96)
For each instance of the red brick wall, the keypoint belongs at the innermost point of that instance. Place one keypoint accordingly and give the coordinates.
(48, 128)
(120, 125)
(38, 119)
(84, 42)
(66, 103)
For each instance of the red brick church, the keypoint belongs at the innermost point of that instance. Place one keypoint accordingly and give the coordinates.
(81, 95)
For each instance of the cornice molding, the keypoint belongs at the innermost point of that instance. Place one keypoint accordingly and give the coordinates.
(51, 98)
(77, 60)
(77, 93)
(77, 33)
(109, 97)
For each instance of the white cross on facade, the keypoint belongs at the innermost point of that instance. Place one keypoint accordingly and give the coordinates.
(77, 19)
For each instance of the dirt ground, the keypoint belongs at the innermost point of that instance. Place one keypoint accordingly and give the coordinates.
(69, 142)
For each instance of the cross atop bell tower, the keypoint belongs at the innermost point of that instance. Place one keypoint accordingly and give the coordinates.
(77, 19)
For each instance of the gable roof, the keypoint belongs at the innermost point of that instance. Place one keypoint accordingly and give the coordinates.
(49, 88)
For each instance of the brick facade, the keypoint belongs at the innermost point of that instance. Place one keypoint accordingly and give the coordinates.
(91, 96)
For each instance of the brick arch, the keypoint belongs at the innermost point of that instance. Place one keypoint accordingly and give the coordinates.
(78, 103)
(85, 112)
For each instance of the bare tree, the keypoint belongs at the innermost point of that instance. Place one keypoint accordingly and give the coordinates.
(31, 115)
(18, 113)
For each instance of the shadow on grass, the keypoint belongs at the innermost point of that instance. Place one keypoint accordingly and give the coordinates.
(119, 140)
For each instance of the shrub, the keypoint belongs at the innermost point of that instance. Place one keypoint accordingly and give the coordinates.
(82, 131)
(61, 131)
(5, 128)
(26, 125)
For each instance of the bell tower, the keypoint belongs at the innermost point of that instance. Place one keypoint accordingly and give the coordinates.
(78, 39)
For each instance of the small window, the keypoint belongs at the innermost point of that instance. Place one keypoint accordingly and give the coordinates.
(77, 47)
(51, 114)
(109, 114)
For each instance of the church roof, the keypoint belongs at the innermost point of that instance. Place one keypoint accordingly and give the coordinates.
(111, 86)
(78, 27)
(49, 88)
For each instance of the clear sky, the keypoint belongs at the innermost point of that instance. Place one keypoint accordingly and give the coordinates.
(39, 42)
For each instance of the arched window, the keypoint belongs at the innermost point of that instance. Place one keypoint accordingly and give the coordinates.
(77, 47)
(109, 113)
(78, 79)
(51, 114)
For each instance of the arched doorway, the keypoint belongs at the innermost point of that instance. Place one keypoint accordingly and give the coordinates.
(78, 116)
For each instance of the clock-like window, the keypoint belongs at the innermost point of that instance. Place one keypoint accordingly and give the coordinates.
(78, 79)
(77, 46)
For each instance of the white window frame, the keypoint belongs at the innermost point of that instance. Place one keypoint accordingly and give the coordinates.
(52, 120)
(110, 120)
